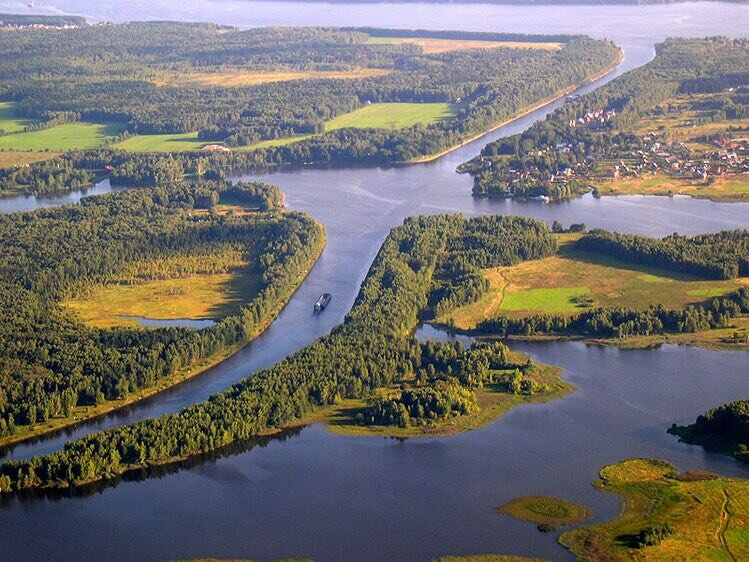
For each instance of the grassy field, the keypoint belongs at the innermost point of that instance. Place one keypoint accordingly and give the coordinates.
(708, 516)
(493, 402)
(196, 297)
(240, 78)
(729, 189)
(69, 136)
(11, 159)
(572, 280)
(545, 511)
(375, 116)
(393, 116)
(433, 46)
(9, 121)
(176, 142)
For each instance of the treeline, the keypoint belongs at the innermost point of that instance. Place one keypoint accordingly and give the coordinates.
(51, 363)
(724, 255)
(374, 347)
(554, 157)
(724, 429)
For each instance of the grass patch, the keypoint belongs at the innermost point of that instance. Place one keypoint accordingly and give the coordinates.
(13, 159)
(707, 516)
(69, 136)
(545, 511)
(196, 297)
(176, 142)
(572, 281)
(393, 116)
(435, 46)
(10, 122)
(240, 78)
(722, 189)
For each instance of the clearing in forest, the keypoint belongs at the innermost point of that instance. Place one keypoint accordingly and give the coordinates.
(239, 78)
(435, 46)
(68, 136)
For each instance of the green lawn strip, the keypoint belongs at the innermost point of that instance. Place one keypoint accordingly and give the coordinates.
(10, 122)
(393, 116)
(68, 136)
(561, 299)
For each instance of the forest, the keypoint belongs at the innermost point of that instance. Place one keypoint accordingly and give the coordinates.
(137, 76)
(724, 428)
(51, 363)
(373, 347)
(712, 256)
(594, 138)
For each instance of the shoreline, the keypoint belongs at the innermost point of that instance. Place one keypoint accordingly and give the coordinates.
(163, 385)
(524, 111)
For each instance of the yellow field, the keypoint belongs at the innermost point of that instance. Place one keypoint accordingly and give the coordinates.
(571, 281)
(197, 297)
(432, 46)
(707, 516)
(239, 78)
(10, 159)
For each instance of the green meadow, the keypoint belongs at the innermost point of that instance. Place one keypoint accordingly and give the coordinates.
(69, 136)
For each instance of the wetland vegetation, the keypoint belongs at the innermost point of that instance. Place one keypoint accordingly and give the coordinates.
(667, 516)
(548, 512)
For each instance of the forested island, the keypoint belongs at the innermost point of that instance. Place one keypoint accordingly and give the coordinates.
(427, 263)
(102, 94)
(724, 429)
(628, 289)
(233, 242)
(677, 125)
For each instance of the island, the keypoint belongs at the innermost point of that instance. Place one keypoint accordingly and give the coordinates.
(677, 125)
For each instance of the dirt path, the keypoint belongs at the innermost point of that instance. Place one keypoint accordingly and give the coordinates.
(725, 520)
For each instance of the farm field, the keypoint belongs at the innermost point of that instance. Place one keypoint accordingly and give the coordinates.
(9, 159)
(195, 297)
(240, 78)
(9, 122)
(432, 46)
(69, 136)
(674, 516)
(573, 280)
(393, 116)
(375, 116)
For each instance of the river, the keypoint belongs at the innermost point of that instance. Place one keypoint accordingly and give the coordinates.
(327, 497)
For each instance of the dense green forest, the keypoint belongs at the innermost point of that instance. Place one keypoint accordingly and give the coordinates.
(374, 347)
(33, 19)
(138, 76)
(50, 362)
(724, 429)
(712, 256)
(593, 135)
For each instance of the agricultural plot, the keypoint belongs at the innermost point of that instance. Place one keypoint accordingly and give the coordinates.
(69, 136)
(434, 46)
(9, 121)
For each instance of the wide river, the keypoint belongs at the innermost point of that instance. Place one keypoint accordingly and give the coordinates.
(319, 495)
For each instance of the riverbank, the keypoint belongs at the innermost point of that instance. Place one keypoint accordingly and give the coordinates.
(525, 111)
(81, 414)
